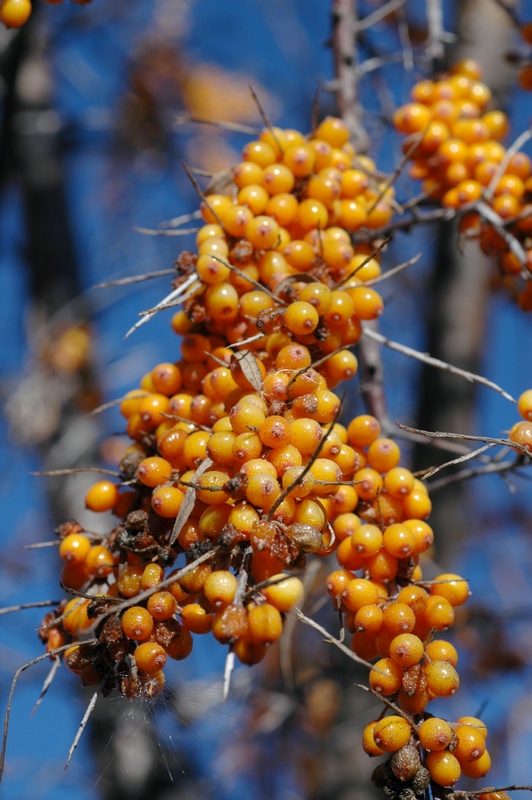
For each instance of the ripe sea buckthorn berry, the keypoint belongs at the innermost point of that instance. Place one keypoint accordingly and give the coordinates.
(220, 447)
(248, 651)
(303, 487)
(384, 455)
(478, 768)
(166, 501)
(444, 767)
(210, 487)
(399, 618)
(15, 13)
(255, 197)
(367, 303)
(265, 624)
(194, 581)
(262, 232)
(368, 742)
(359, 592)
(454, 588)
(399, 540)
(347, 557)
(412, 118)
(474, 722)
(152, 575)
(213, 519)
(276, 138)
(368, 619)
(99, 561)
(195, 619)
(471, 744)
(262, 490)
(341, 308)
(75, 615)
(128, 584)
(382, 566)
(137, 622)
(221, 302)
(435, 734)
(74, 548)
(283, 208)
(423, 533)
(245, 174)
(300, 160)
(363, 430)
(166, 378)
(285, 593)
(220, 588)
(274, 431)
(521, 433)
(440, 650)
(162, 605)
(301, 318)
(75, 575)
(391, 733)
(438, 613)
(388, 679)
(342, 366)
(326, 471)
(368, 483)
(154, 471)
(406, 649)
(150, 657)
(102, 496)
(312, 214)
(180, 646)
(299, 254)
(332, 130)
(398, 481)
(367, 540)
(363, 644)
(247, 446)
(230, 624)
(417, 504)
(131, 402)
(337, 581)
(260, 153)
(442, 678)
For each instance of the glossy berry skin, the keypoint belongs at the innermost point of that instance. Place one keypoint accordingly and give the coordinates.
(406, 649)
(99, 561)
(150, 657)
(14, 13)
(444, 767)
(368, 742)
(137, 622)
(284, 592)
(435, 734)
(391, 733)
(389, 678)
(471, 744)
(102, 496)
(442, 678)
(74, 548)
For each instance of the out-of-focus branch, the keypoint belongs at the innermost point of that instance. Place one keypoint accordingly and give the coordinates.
(344, 26)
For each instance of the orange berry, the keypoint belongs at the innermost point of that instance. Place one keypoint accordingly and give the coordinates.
(102, 496)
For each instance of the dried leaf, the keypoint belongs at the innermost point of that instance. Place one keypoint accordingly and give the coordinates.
(188, 501)
(250, 368)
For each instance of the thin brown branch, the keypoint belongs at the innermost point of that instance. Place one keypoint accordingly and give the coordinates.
(163, 304)
(344, 21)
(379, 14)
(16, 676)
(331, 640)
(116, 402)
(493, 468)
(398, 710)
(56, 663)
(201, 194)
(514, 245)
(376, 251)
(181, 220)
(435, 362)
(467, 437)
(394, 271)
(165, 231)
(459, 460)
(136, 278)
(83, 724)
(23, 606)
(235, 127)
(52, 473)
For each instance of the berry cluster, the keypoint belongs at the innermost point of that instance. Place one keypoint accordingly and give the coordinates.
(455, 149)
(239, 466)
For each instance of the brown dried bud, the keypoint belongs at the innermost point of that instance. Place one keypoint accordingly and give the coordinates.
(405, 762)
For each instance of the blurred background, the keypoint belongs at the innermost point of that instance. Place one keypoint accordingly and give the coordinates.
(92, 136)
